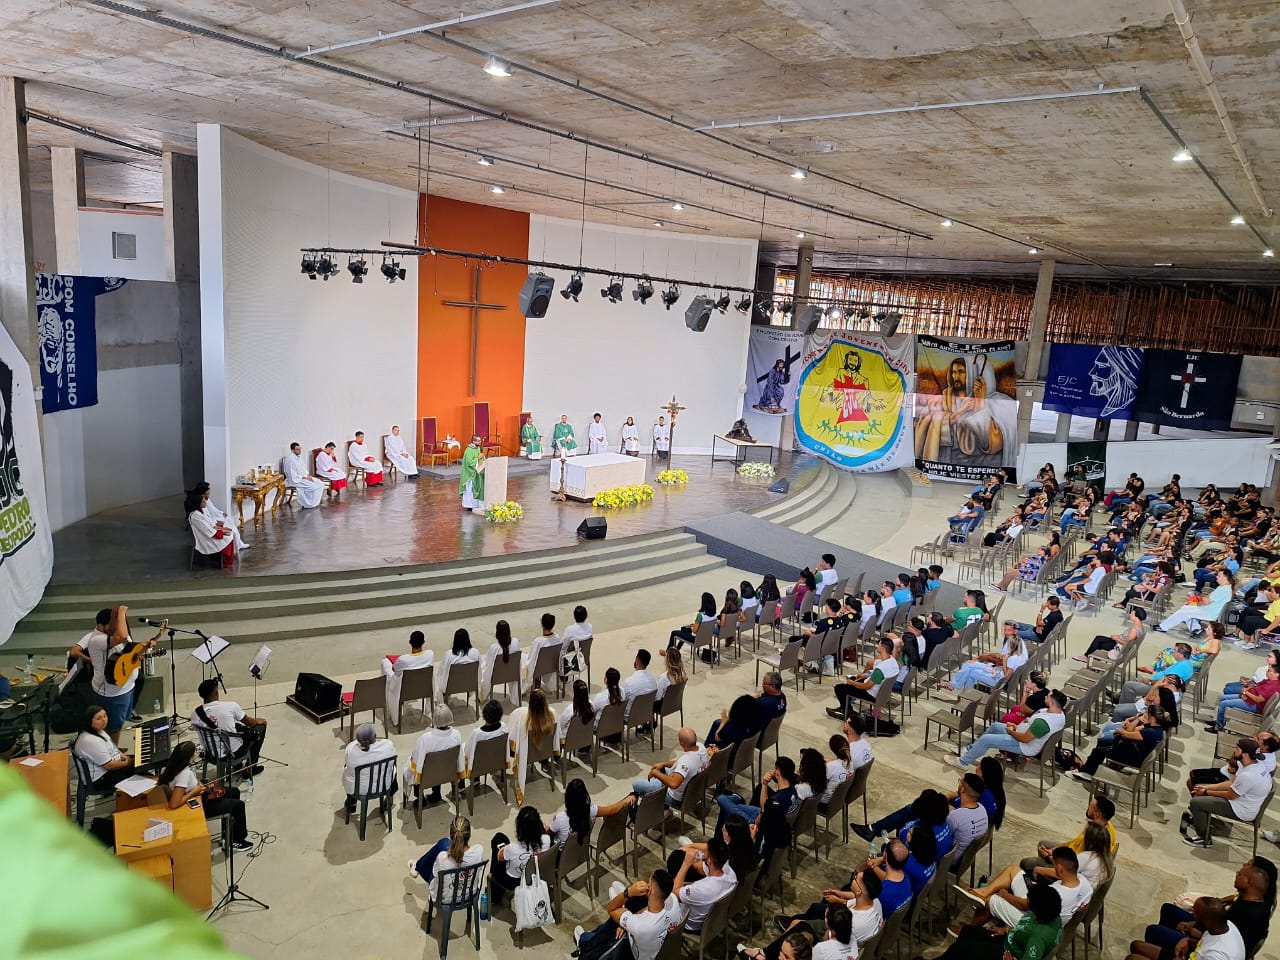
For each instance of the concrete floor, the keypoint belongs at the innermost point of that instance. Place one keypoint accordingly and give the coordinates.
(331, 893)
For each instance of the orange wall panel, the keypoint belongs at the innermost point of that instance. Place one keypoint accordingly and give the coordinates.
(444, 332)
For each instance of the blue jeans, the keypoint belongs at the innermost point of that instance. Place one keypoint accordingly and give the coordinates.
(426, 865)
(996, 738)
(1226, 703)
(1027, 631)
(1160, 509)
(1108, 733)
(730, 803)
(893, 822)
(1232, 689)
(972, 674)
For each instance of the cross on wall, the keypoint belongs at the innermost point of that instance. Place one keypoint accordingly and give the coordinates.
(475, 305)
(1187, 378)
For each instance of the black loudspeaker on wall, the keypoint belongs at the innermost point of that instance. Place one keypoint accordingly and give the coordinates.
(593, 528)
(889, 325)
(535, 295)
(808, 317)
(317, 692)
(698, 313)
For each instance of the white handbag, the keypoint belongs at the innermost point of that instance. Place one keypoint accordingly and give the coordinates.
(533, 902)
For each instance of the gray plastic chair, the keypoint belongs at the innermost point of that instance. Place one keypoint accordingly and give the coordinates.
(460, 890)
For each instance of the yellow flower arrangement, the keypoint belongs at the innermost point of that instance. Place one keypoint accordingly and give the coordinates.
(672, 476)
(629, 496)
(756, 470)
(508, 512)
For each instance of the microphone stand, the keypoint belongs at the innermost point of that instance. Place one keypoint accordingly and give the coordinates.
(234, 893)
(256, 673)
(174, 719)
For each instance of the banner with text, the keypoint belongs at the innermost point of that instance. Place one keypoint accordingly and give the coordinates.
(65, 319)
(26, 543)
(966, 414)
(852, 401)
(1180, 388)
(1090, 458)
(771, 374)
(1095, 382)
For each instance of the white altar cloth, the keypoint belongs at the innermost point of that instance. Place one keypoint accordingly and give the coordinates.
(586, 476)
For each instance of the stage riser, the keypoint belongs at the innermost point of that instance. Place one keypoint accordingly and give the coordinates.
(802, 502)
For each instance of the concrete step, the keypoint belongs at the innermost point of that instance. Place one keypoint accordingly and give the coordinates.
(793, 508)
(831, 509)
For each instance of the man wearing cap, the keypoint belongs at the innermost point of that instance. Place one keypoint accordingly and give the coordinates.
(1239, 798)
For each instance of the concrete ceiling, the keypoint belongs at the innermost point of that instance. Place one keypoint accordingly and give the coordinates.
(1089, 179)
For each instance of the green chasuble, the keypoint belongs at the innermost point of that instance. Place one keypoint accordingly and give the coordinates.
(529, 436)
(564, 436)
(470, 459)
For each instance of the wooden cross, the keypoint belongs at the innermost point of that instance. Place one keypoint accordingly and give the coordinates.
(673, 410)
(476, 306)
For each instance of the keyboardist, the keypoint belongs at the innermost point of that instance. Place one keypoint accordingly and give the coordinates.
(108, 764)
(246, 733)
(181, 784)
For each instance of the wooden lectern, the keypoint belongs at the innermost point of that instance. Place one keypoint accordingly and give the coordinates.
(495, 482)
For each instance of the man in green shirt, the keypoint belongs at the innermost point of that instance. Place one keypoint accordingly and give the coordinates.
(562, 437)
(1025, 738)
(471, 480)
(1031, 938)
(531, 440)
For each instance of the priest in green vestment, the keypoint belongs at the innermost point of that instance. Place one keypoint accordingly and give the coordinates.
(562, 437)
(531, 439)
(471, 481)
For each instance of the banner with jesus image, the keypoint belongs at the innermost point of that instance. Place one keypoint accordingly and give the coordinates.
(771, 369)
(966, 411)
(1183, 388)
(852, 401)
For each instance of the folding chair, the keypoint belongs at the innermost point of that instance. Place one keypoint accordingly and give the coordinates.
(489, 760)
(375, 781)
(416, 685)
(459, 891)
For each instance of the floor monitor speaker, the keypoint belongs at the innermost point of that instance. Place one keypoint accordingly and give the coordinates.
(317, 692)
(593, 528)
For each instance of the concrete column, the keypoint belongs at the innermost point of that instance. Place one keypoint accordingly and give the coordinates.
(181, 217)
(804, 277)
(1131, 429)
(1062, 432)
(68, 198)
(17, 276)
(1035, 345)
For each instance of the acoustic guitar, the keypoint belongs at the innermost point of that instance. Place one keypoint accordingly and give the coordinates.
(120, 665)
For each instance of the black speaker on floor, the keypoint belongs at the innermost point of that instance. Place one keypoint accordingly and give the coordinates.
(535, 295)
(593, 528)
(782, 486)
(317, 692)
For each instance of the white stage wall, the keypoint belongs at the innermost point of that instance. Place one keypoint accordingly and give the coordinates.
(97, 259)
(624, 359)
(288, 358)
(1227, 461)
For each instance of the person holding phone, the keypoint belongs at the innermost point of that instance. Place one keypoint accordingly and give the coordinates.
(182, 786)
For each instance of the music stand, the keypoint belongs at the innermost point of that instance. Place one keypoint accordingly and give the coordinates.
(234, 893)
(207, 654)
(258, 670)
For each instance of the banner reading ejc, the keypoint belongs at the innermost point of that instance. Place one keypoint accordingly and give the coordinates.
(966, 411)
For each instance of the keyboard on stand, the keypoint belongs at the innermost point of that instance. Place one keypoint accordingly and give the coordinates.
(151, 746)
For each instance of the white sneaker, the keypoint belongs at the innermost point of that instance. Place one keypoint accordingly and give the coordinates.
(1272, 835)
(413, 869)
(578, 931)
(616, 889)
(683, 841)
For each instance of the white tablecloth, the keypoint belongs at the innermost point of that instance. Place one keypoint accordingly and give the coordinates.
(584, 477)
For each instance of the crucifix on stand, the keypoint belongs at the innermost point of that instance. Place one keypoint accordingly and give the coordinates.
(475, 305)
(673, 410)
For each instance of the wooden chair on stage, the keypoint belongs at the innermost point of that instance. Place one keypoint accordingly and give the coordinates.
(388, 467)
(525, 417)
(482, 427)
(355, 472)
(433, 449)
(328, 487)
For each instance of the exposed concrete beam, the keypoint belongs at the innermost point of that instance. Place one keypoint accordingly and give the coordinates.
(68, 198)
(17, 263)
(181, 217)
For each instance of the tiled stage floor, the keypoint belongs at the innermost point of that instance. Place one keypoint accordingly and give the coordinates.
(399, 523)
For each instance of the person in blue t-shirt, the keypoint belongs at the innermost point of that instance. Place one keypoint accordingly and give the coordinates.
(923, 859)
(895, 885)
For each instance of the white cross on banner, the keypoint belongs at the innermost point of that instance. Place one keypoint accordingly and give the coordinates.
(1190, 389)
(1187, 379)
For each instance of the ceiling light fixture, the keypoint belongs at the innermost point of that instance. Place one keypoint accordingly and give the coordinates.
(485, 161)
(1033, 250)
(798, 174)
(765, 307)
(787, 308)
(613, 292)
(834, 313)
(722, 304)
(358, 269)
(677, 205)
(1238, 220)
(670, 296)
(326, 267)
(947, 223)
(572, 288)
(1162, 264)
(800, 235)
(495, 67)
(1268, 252)
(309, 265)
(1183, 156)
(658, 223)
(392, 270)
(643, 291)
(743, 305)
(496, 189)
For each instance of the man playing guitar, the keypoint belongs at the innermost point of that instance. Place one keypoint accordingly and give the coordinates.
(116, 660)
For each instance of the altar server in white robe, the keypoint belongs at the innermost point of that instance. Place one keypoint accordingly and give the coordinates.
(415, 659)
(308, 489)
(395, 450)
(327, 467)
(217, 516)
(631, 438)
(504, 645)
(210, 537)
(548, 639)
(462, 652)
(662, 438)
(597, 436)
(359, 455)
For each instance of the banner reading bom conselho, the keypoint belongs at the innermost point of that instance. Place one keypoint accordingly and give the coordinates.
(852, 401)
(966, 411)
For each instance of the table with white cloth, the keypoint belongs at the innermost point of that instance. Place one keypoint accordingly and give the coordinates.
(584, 477)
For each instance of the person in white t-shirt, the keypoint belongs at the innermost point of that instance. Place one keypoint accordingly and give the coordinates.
(108, 764)
(449, 853)
(364, 749)
(717, 883)
(647, 911)
(183, 785)
(579, 813)
(837, 942)
(673, 776)
(100, 646)
(1239, 798)
(1004, 898)
(245, 734)
(573, 658)
(511, 856)
(866, 685)
(1220, 939)
(640, 682)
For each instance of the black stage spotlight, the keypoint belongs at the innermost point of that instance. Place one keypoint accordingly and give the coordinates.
(787, 308)
(309, 265)
(392, 270)
(613, 291)
(765, 307)
(722, 304)
(863, 314)
(574, 287)
(670, 296)
(643, 291)
(743, 305)
(326, 267)
(358, 269)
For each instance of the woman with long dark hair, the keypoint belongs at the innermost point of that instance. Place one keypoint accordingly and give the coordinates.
(768, 589)
(579, 710)
(504, 647)
(736, 833)
(579, 813)
(992, 773)
(686, 634)
(460, 652)
(180, 782)
(108, 764)
(513, 855)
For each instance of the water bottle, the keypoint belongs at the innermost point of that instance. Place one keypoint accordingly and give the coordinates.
(878, 844)
(29, 669)
(484, 905)
(155, 706)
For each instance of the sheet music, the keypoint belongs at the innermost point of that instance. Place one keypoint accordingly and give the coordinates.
(136, 786)
(209, 649)
(260, 661)
(31, 762)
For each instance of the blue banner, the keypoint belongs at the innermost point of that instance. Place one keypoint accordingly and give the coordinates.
(1189, 389)
(65, 320)
(1095, 382)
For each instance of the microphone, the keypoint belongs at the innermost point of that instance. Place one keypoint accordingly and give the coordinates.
(151, 623)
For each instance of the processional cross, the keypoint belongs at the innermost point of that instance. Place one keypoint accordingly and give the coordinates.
(476, 305)
(673, 410)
